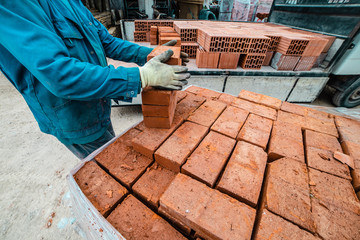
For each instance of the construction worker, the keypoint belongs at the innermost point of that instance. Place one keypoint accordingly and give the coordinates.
(54, 52)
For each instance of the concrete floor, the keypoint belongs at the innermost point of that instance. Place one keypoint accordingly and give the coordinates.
(34, 198)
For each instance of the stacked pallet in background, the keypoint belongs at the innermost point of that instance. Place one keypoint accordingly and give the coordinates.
(252, 44)
(143, 27)
(230, 167)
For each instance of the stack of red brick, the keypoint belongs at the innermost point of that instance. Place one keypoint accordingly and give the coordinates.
(246, 167)
(143, 27)
(250, 46)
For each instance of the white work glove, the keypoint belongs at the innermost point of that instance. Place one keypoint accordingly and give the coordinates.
(184, 56)
(156, 73)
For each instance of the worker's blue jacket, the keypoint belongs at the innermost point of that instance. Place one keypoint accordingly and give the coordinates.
(54, 52)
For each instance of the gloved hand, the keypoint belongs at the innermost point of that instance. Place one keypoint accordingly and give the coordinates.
(184, 56)
(156, 73)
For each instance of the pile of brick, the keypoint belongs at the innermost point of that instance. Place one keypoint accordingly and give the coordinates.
(246, 167)
(250, 45)
(143, 27)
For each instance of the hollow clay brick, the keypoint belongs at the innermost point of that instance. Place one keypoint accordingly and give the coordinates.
(226, 98)
(153, 183)
(334, 190)
(118, 150)
(322, 141)
(256, 130)
(201, 207)
(151, 96)
(286, 141)
(272, 226)
(174, 151)
(335, 223)
(174, 59)
(243, 175)
(207, 113)
(230, 121)
(324, 161)
(135, 221)
(150, 139)
(158, 122)
(99, 187)
(255, 108)
(207, 161)
(286, 194)
(260, 99)
(189, 104)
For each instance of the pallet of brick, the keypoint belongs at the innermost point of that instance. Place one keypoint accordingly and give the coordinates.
(259, 44)
(251, 61)
(140, 36)
(228, 60)
(158, 107)
(207, 59)
(284, 62)
(186, 30)
(240, 44)
(305, 63)
(190, 48)
(175, 58)
(214, 41)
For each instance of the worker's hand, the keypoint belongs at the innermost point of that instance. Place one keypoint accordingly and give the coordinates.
(156, 73)
(184, 56)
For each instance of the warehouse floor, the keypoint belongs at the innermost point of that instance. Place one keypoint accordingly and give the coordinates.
(34, 193)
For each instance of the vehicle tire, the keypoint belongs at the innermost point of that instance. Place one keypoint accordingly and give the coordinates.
(350, 97)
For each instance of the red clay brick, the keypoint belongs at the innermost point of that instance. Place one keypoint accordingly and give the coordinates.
(255, 108)
(175, 58)
(141, 126)
(256, 130)
(194, 89)
(347, 128)
(158, 122)
(290, 118)
(286, 141)
(352, 149)
(293, 108)
(189, 104)
(230, 121)
(209, 94)
(99, 187)
(174, 151)
(209, 158)
(182, 227)
(226, 98)
(272, 226)
(150, 139)
(317, 125)
(207, 113)
(323, 160)
(151, 96)
(118, 150)
(334, 190)
(335, 223)
(160, 111)
(322, 141)
(286, 194)
(181, 95)
(322, 116)
(135, 221)
(243, 175)
(153, 184)
(200, 207)
(345, 159)
(260, 99)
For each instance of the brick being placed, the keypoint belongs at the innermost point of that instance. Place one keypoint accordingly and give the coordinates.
(150, 139)
(200, 207)
(260, 99)
(207, 161)
(100, 188)
(136, 221)
(256, 130)
(287, 193)
(284, 62)
(272, 225)
(207, 59)
(251, 61)
(190, 48)
(286, 141)
(207, 113)
(174, 59)
(228, 60)
(152, 184)
(175, 150)
(330, 189)
(230, 121)
(255, 108)
(244, 173)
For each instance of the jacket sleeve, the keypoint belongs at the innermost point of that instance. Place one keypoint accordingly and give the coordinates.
(28, 34)
(117, 48)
